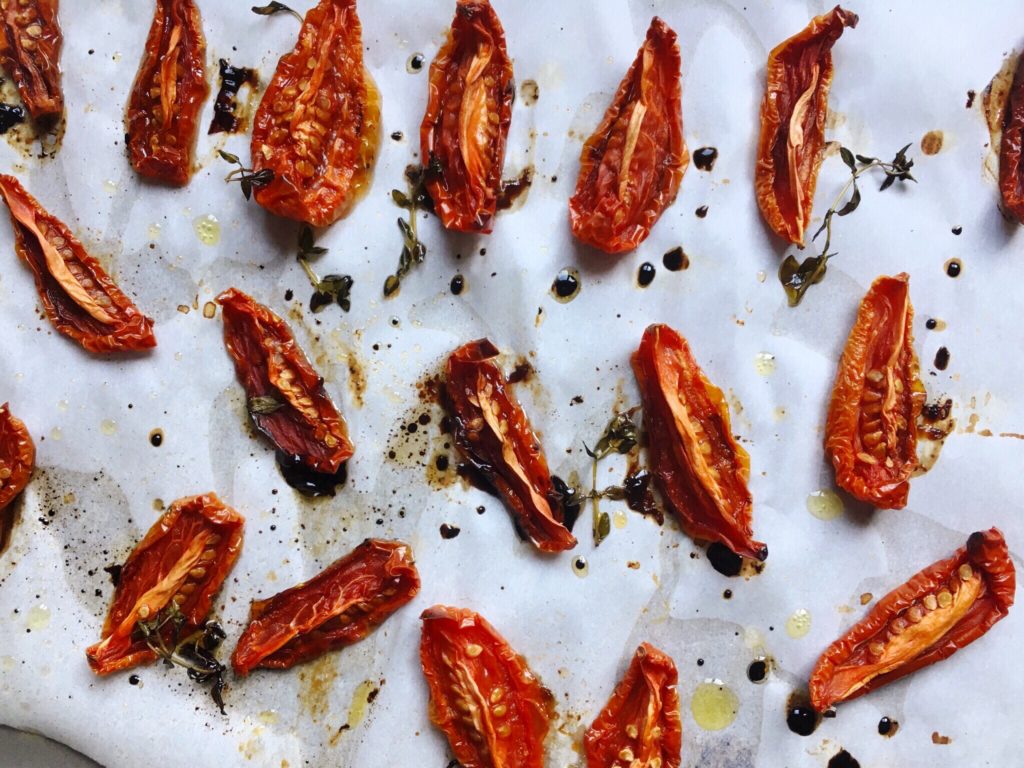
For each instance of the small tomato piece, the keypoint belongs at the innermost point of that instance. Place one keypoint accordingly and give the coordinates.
(184, 559)
(631, 167)
(941, 609)
(483, 696)
(162, 119)
(793, 112)
(17, 460)
(493, 434)
(641, 721)
(871, 431)
(30, 43)
(317, 128)
(697, 464)
(469, 109)
(79, 297)
(339, 606)
(1011, 147)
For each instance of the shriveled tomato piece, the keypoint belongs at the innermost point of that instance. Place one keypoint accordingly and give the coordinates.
(700, 469)
(483, 696)
(871, 432)
(640, 725)
(941, 609)
(79, 297)
(469, 109)
(339, 606)
(631, 167)
(1011, 147)
(17, 459)
(182, 560)
(30, 52)
(493, 434)
(286, 396)
(162, 119)
(793, 113)
(318, 125)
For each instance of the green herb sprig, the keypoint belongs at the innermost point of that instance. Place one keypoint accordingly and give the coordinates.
(247, 178)
(620, 436)
(328, 289)
(275, 7)
(413, 249)
(798, 276)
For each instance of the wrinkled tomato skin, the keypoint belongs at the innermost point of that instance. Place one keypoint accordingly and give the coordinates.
(318, 128)
(631, 167)
(30, 47)
(799, 76)
(469, 110)
(674, 391)
(120, 326)
(1011, 147)
(338, 607)
(270, 364)
(520, 474)
(642, 716)
(849, 667)
(483, 696)
(17, 460)
(162, 118)
(878, 391)
(184, 557)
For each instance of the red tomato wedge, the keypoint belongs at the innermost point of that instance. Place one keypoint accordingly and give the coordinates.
(469, 109)
(493, 434)
(941, 609)
(183, 559)
(631, 167)
(30, 43)
(640, 725)
(697, 464)
(162, 119)
(79, 297)
(871, 432)
(339, 606)
(17, 460)
(483, 696)
(318, 125)
(1011, 146)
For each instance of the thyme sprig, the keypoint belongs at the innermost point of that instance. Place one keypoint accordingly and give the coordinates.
(413, 249)
(328, 289)
(247, 178)
(194, 652)
(620, 436)
(796, 276)
(275, 7)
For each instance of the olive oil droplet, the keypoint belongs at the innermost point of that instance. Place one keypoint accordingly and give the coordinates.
(153, 231)
(714, 705)
(764, 363)
(207, 229)
(360, 699)
(619, 519)
(824, 504)
(38, 617)
(108, 427)
(799, 624)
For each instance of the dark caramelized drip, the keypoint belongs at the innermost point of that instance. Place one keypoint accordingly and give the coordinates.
(521, 372)
(225, 118)
(640, 497)
(10, 116)
(724, 560)
(308, 481)
(512, 189)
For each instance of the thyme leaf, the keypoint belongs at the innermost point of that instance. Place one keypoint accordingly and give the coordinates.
(329, 289)
(275, 7)
(413, 249)
(247, 178)
(262, 406)
(620, 436)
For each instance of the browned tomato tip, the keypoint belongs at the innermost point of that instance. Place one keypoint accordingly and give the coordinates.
(30, 45)
(1011, 147)
(17, 460)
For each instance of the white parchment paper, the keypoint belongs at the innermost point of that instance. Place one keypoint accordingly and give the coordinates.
(904, 71)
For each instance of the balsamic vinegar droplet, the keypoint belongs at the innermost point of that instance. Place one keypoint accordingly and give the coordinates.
(957, 230)
(646, 275)
(458, 284)
(887, 727)
(306, 480)
(843, 759)
(942, 358)
(954, 267)
(702, 212)
(724, 560)
(757, 671)
(156, 438)
(566, 285)
(802, 719)
(449, 531)
(414, 63)
(704, 158)
(675, 259)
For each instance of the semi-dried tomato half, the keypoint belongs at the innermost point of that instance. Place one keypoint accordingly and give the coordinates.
(318, 125)
(30, 52)
(640, 725)
(1011, 147)
(339, 606)
(793, 113)
(493, 434)
(871, 432)
(182, 561)
(700, 469)
(941, 609)
(17, 459)
(78, 295)
(483, 696)
(162, 119)
(469, 109)
(286, 397)
(631, 167)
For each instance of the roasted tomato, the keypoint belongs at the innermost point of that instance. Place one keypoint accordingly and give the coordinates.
(483, 697)
(17, 459)
(493, 434)
(469, 109)
(79, 297)
(698, 466)
(941, 609)
(630, 169)
(641, 721)
(181, 562)
(1011, 147)
(871, 432)
(339, 606)
(318, 125)
(793, 124)
(162, 119)
(30, 52)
